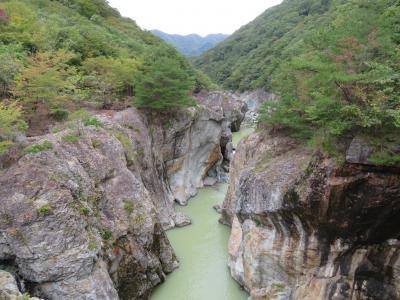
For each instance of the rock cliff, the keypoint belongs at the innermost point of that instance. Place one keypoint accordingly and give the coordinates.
(83, 211)
(306, 227)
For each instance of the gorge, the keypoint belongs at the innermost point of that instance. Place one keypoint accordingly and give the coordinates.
(92, 220)
(268, 168)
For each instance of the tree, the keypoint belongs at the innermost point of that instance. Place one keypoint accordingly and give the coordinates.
(46, 80)
(11, 122)
(10, 66)
(108, 78)
(165, 81)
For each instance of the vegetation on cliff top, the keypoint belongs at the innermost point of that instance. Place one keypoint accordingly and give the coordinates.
(334, 63)
(58, 56)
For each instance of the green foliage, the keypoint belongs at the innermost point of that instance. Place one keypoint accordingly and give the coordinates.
(36, 148)
(60, 114)
(11, 123)
(10, 66)
(130, 154)
(44, 210)
(129, 207)
(11, 119)
(92, 122)
(71, 138)
(45, 80)
(84, 210)
(58, 55)
(248, 59)
(80, 114)
(106, 234)
(334, 65)
(165, 81)
(96, 143)
(5, 145)
(106, 78)
(346, 82)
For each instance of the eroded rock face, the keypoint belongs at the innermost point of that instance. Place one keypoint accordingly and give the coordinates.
(77, 222)
(254, 100)
(191, 143)
(85, 218)
(305, 228)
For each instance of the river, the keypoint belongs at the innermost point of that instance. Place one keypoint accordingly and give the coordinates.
(202, 249)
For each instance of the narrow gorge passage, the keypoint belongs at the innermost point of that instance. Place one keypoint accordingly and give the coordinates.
(202, 249)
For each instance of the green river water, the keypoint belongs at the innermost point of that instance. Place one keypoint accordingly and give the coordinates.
(202, 249)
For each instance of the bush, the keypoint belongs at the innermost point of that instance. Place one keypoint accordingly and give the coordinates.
(44, 210)
(59, 114)
(11, 123)
(106, 234)
(36, 148)
(71, 138)
(92, 122)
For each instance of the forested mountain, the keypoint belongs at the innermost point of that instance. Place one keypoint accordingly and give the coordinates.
(192, 44)
(59, 56)
(335, 64)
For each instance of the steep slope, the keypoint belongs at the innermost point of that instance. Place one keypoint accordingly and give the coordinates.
(334, 65)
(83, 211)
(59, 56)
(192, 44)
(249, 58)
(306, 227)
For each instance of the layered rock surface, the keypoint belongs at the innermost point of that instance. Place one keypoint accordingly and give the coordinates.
(304, 227)
(84, 217)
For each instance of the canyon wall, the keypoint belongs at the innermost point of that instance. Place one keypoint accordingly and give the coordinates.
(307, 227)
(84, 209)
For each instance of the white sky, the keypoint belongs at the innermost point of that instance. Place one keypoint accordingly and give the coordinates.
(192, 16)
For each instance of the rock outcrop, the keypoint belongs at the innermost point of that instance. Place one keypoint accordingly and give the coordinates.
(83, 212)
(254, 100)
(77, 223)
(9, 288)
(305, 227)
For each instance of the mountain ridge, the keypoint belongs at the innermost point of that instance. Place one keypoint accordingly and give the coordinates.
(191, 44)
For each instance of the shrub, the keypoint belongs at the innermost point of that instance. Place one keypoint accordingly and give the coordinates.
(129, 207)
(44, 210)
(59, 114)
(96, 143)
(71, 138)
(106, 234)
(85, 211)
(36, 148)
(126, 142)
(92, 122)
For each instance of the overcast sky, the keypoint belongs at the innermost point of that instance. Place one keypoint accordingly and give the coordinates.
(192, 16)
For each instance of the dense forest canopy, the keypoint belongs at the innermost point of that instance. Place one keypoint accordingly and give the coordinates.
(335, 65)
(59, 56)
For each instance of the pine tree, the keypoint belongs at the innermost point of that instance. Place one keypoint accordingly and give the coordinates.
(165, 82)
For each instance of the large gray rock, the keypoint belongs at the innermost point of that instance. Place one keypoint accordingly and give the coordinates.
(359, 151)
(8, 287)
(254, 100)
(304, 227)
(78, 223)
